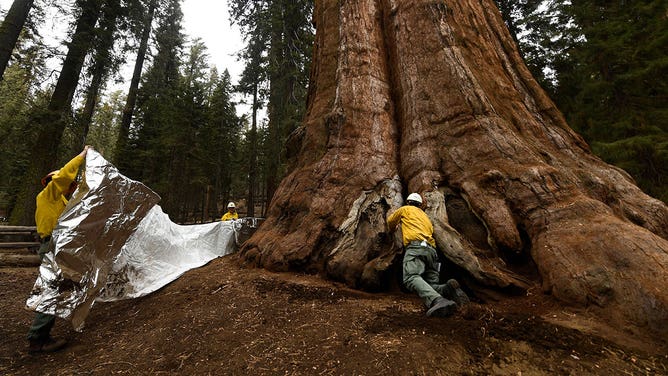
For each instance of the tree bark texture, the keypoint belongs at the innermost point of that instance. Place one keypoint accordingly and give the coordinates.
(53, 121)
(252, 157)
(433, 97)
(102, 64)
(131, 101)
(11, 29)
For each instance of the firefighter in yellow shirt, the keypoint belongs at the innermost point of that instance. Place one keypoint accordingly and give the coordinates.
(231, 213)
(421, 264)
(58, 187)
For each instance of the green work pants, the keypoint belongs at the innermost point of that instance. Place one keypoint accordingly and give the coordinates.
(42, 324)
(421, 274)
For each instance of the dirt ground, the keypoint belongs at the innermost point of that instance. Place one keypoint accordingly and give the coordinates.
(223, 319)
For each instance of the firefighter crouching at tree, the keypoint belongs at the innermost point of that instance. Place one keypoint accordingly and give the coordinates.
(58, 187)
(231, 213)
(421, 263)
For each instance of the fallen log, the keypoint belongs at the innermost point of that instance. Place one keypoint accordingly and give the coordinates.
(19, 245)
(19, 260)
(19, 229)
(18, 251)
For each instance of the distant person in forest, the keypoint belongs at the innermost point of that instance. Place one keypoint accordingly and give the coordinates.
(421, 265)
(58, 186)
(231, 213)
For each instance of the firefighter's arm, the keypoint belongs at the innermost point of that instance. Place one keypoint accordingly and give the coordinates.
(66, 175)
(393, 219)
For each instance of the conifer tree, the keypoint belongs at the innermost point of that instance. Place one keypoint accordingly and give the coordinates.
(281, 32)
(219, 145)
(544, 31)
(10, 29)
(253, 79)
(604, 64)
(106, 122)
(615, 94)
(144, 26)
(254, 20)
(18, 98)
(52, 122)
(187, 182)
(152, 147)
(103, 63)
(21, 95)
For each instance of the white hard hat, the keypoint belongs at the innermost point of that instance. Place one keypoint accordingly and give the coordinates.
(231, 205)
(414, 197)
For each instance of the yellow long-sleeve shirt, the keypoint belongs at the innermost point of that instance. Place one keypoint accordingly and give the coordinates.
(415, 225)
(229, 216)
(51, 201)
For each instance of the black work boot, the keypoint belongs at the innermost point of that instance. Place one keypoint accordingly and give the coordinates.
(45, 345)
(456, 293)
(442, 307)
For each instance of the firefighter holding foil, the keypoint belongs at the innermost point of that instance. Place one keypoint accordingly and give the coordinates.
(58, 186)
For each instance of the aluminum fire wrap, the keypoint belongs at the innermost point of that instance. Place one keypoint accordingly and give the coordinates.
(114, 242)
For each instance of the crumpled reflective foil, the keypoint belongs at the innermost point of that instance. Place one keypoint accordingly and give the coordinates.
(114, 242)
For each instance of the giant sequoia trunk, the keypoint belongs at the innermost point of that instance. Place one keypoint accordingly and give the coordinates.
(433, 97)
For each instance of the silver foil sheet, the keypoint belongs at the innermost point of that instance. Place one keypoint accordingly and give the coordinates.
(114, 242)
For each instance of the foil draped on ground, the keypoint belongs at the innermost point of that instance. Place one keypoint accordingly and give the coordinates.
(114, 242)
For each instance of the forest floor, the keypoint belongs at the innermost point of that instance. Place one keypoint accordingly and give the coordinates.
(223, 319)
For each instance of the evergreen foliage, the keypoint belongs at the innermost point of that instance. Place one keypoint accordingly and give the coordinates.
(220, 151)
(105, 123)
(605, 64)
(253, 81)
(16, 102)
(156, 147)
(621, 75)
(279, 39)
(20, 97)
(544, 31)
(184, 141)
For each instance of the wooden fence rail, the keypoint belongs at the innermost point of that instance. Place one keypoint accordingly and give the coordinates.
(18, 229)
(18, 246)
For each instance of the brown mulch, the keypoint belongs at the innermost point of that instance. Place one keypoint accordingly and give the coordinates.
(223, 319)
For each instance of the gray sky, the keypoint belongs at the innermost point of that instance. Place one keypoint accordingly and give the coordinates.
(209, 20)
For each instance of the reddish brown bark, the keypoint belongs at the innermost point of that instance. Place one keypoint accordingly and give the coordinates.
(433, 97)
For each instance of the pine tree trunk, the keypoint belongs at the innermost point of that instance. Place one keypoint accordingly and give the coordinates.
(433, 97)
(101, 65)
(53, 121)
(252, 158)
(131, 101)
(81, 43)
(11, 29)
(277, 97)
